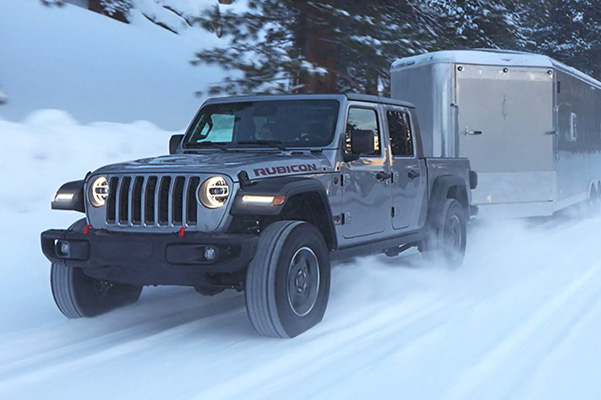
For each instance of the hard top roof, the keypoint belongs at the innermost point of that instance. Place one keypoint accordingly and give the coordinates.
(378, 99)
(340, 97)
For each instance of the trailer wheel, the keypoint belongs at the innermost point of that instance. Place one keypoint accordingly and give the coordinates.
(288, 281)
(593, 204)
(446, 238)
(77, 295)
(597, 202)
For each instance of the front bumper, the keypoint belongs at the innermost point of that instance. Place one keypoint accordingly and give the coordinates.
(149, 258)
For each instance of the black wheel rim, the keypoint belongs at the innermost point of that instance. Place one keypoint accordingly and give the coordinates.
(303, 281)
(453, 236)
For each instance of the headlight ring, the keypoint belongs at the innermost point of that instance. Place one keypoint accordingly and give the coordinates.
(98, 191)
(214, 192)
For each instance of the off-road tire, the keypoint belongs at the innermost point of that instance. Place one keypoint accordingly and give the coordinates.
(77, 295)
(591, 208)
(446, 238)
(280, 300)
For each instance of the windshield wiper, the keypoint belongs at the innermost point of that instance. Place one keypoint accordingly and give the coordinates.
(219, 145)
(271, 143)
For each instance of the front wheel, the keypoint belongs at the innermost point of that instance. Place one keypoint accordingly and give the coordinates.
(446, 238)
(288, 281)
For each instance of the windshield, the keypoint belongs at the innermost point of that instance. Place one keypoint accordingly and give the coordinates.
(291, 123)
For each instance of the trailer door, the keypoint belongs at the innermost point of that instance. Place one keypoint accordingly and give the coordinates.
(505, 127)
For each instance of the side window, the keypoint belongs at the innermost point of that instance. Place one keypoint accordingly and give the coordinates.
(362, 119)
(401, 137)
(573, 127)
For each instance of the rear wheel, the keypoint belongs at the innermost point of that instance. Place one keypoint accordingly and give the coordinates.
(77, 295)
(288, 281)
(446, 238)
(592, 207)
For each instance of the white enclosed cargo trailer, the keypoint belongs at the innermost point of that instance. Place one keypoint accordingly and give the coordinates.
(530, 125)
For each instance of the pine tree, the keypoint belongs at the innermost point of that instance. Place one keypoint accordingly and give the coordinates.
(301, 46)
(52, 3)
(311, 46)
(479, 24)
(116, 9)
(267, 45)
(569, 32)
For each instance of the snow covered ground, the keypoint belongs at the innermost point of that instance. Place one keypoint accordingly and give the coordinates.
(521, 319)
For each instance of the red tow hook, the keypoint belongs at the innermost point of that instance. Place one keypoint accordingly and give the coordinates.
(182, 231)
(86, 230)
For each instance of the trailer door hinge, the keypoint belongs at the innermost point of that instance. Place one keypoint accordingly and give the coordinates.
(346, 218)
(392, 212)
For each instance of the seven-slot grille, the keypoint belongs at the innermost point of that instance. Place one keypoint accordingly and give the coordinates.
(161, 201)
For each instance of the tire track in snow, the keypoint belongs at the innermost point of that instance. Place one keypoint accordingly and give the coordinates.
(500, 371)
(293, 368)
(531, 389)
(317, 354)
(96, 350)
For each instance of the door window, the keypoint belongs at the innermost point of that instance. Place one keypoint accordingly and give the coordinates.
(362, 119)
(401, 137)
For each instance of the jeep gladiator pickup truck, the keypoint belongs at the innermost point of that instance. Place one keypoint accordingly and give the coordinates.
(259, 195)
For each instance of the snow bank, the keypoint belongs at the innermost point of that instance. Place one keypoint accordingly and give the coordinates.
(521, 319)
(36, 157)
(51, 148)
(99, 69)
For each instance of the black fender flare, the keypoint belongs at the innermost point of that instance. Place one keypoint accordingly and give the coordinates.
(439, 193)
(288, 186)
(70, 197)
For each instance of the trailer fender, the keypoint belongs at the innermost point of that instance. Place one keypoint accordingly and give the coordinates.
(593, 187)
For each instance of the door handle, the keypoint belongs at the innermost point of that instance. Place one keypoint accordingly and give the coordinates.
(468, 132)
(382, 176)
(412, 174)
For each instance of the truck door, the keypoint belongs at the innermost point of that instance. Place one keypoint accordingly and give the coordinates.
(505, 127)
(408, 172)
(365, 182)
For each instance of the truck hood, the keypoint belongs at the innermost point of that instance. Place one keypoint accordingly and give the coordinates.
(256, 164)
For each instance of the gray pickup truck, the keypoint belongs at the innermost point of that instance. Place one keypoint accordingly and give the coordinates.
(259, 195)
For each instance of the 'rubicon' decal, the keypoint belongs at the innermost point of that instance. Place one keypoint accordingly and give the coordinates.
(285, 169)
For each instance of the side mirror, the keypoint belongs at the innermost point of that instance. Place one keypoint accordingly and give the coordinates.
(174, 143)
(362, 141)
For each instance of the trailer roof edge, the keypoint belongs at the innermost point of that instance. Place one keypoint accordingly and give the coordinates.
(492, 57)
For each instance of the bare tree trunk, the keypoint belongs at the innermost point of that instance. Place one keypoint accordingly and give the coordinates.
(94, 5)
(312, 39)
(372, 82)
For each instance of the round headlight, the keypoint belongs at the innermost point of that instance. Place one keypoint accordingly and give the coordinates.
(98, 191)
(213, 192)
